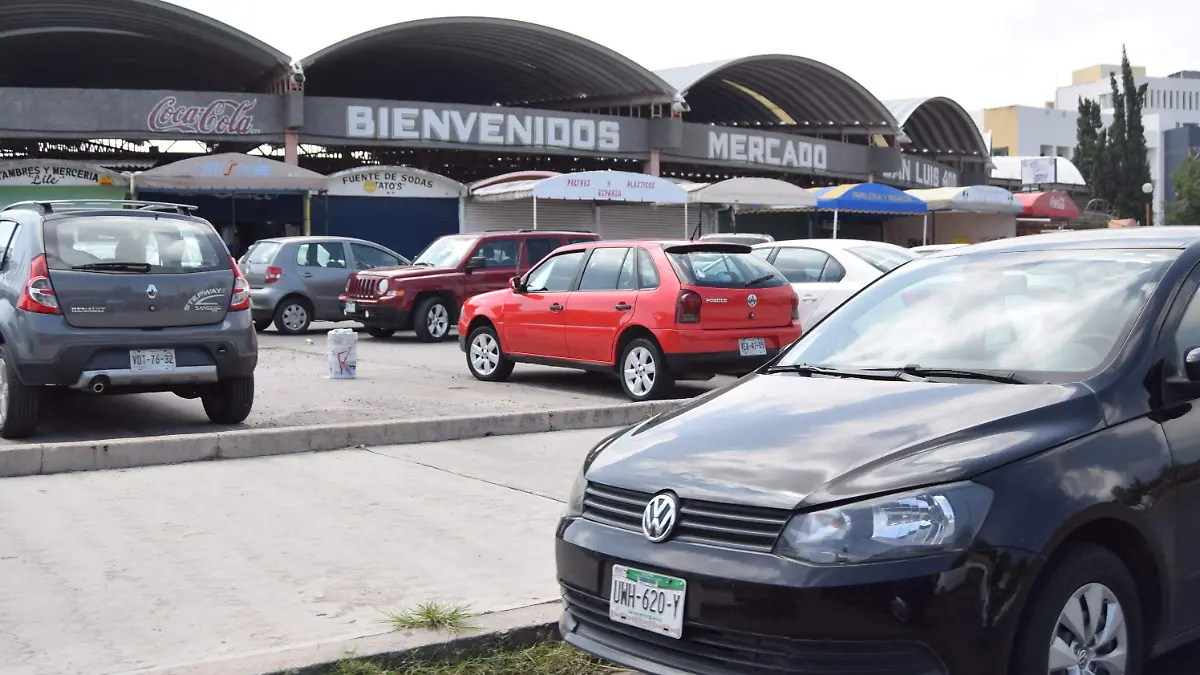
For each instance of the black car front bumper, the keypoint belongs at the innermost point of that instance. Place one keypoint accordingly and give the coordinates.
(379, 316)
(751, 612)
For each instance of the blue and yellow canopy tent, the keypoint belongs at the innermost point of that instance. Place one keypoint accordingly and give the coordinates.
(874, 199)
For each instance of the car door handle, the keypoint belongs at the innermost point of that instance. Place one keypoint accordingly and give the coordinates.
(308, 275)
(809, 298)
(624, 307)
(556, 307)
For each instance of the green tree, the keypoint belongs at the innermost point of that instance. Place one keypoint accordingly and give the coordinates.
(1135, 170)
(1184, 205)
(1088, 145)
(1114, 153)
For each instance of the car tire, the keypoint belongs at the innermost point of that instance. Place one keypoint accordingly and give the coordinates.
(229, 401)
(485, 359)
(432, 320)
(643, 371)
(262, 324)
(380, 333)
(293, 316)
(1087, 576)
(20, 405)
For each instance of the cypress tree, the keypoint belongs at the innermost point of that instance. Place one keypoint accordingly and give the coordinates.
(1087, 147)
(1114, 150)
(1135, 164)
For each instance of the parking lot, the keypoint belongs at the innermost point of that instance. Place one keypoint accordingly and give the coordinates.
(398, 378)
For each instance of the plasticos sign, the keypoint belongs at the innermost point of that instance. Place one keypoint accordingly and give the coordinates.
(219, 117)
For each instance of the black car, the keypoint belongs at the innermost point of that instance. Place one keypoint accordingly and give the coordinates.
(987, 462)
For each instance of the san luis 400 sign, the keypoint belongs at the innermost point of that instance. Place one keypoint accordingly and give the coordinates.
(221, 117)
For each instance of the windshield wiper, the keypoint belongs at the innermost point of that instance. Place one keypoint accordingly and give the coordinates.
(113, 265)
(958, 373)
(759, 280)
(831, 371)
(422, 263)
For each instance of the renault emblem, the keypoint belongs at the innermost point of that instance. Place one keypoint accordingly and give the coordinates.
(752, 300)
(151, 291)
(658, 521)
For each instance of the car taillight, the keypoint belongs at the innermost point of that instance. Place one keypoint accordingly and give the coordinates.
(239, 300)
(38, 295)
(687, 309)
(795, 306)
(273, 274)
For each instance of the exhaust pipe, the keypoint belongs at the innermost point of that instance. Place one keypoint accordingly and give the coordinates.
(99, 384)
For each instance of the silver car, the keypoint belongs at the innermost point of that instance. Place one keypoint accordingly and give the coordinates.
(113, 297)
(296, 280)
(826, 272)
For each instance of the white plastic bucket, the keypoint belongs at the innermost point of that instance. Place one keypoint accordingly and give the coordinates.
(341, 351)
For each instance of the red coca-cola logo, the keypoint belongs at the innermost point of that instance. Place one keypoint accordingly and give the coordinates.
(222, 117)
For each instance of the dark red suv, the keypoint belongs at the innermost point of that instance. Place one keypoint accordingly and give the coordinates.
(427, 296)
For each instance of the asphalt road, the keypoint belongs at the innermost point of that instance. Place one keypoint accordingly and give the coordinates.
(398, 378)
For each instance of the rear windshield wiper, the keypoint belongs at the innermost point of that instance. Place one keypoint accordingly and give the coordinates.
(111, 265)
(958, 373)
(866, 374)
(759, 280)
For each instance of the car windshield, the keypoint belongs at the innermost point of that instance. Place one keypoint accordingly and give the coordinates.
(1055, 314)
(721, 269)
(883, 258)
(445, 252)
(118, 244)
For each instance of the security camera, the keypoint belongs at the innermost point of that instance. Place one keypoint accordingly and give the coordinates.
(678, 105)
(297, 74)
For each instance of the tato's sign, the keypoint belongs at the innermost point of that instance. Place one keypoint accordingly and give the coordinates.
(393, 181)
(483, 128)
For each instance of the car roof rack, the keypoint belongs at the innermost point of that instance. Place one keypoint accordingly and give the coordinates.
(61, 205)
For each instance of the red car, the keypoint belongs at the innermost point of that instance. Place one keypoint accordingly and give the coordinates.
(650, 312)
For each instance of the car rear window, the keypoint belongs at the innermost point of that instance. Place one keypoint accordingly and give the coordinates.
(262, 252)
(881, 258)
(166, 245)
(722, 269)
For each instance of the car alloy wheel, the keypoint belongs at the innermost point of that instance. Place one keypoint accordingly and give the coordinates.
(1090, 636)
(485, 354)
(437, 320)
(639, 371)
(295, 317)
(3, 391)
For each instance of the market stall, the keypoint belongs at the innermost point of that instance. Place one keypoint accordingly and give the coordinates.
(584, 201)
(245, 197)
(958, 215)
(399, 207)
(24, 180)
(727, 199)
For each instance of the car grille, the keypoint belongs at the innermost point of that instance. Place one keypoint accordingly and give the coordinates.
(707, 649)
(745, 528)
(363, 287)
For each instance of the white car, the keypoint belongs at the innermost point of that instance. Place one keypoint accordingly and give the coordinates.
(826, 272)
(933, 248)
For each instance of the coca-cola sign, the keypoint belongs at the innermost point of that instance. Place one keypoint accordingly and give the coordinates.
(220, 117)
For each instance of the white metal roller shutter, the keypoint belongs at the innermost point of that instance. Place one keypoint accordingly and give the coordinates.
(646, 221)
(518, 215)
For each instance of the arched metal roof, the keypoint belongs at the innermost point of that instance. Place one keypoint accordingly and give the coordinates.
(126, 44)
(755, 90)
(481, 61)
(938, 125)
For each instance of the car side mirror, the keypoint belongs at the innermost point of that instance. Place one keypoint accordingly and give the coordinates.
(516, 285)
(1191, 364)
(476, 263)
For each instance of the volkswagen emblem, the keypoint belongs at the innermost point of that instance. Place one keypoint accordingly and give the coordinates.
(151, 291)
(658, 521)
(752, 300)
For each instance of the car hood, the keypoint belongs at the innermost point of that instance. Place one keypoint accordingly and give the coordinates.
(790, 441)
(403, 273)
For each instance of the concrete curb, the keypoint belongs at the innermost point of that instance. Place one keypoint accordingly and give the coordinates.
(124, 453)
(513, 628)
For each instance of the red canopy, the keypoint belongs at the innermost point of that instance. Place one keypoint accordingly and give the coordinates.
(1052, 205)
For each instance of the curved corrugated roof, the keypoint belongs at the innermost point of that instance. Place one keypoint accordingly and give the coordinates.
(481, 61)
(938, 125)
(127, 44)
(755, 89)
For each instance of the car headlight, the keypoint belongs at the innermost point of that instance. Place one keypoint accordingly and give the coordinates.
(575, 499)
(924, 522)
(383, 286)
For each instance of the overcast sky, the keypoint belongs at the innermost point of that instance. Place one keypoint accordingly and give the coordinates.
(981, 53)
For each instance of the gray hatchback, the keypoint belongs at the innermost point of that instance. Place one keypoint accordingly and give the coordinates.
(297, 280)
(116, 297)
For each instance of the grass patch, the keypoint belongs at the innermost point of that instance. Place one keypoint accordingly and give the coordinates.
(432, 616)
(547, 658)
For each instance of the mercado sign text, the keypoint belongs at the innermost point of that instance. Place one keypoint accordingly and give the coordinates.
(914, 171)
(482, 128)
(766, 150)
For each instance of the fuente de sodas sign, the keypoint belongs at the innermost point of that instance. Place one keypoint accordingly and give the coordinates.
(220, 117)
(483, 128)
